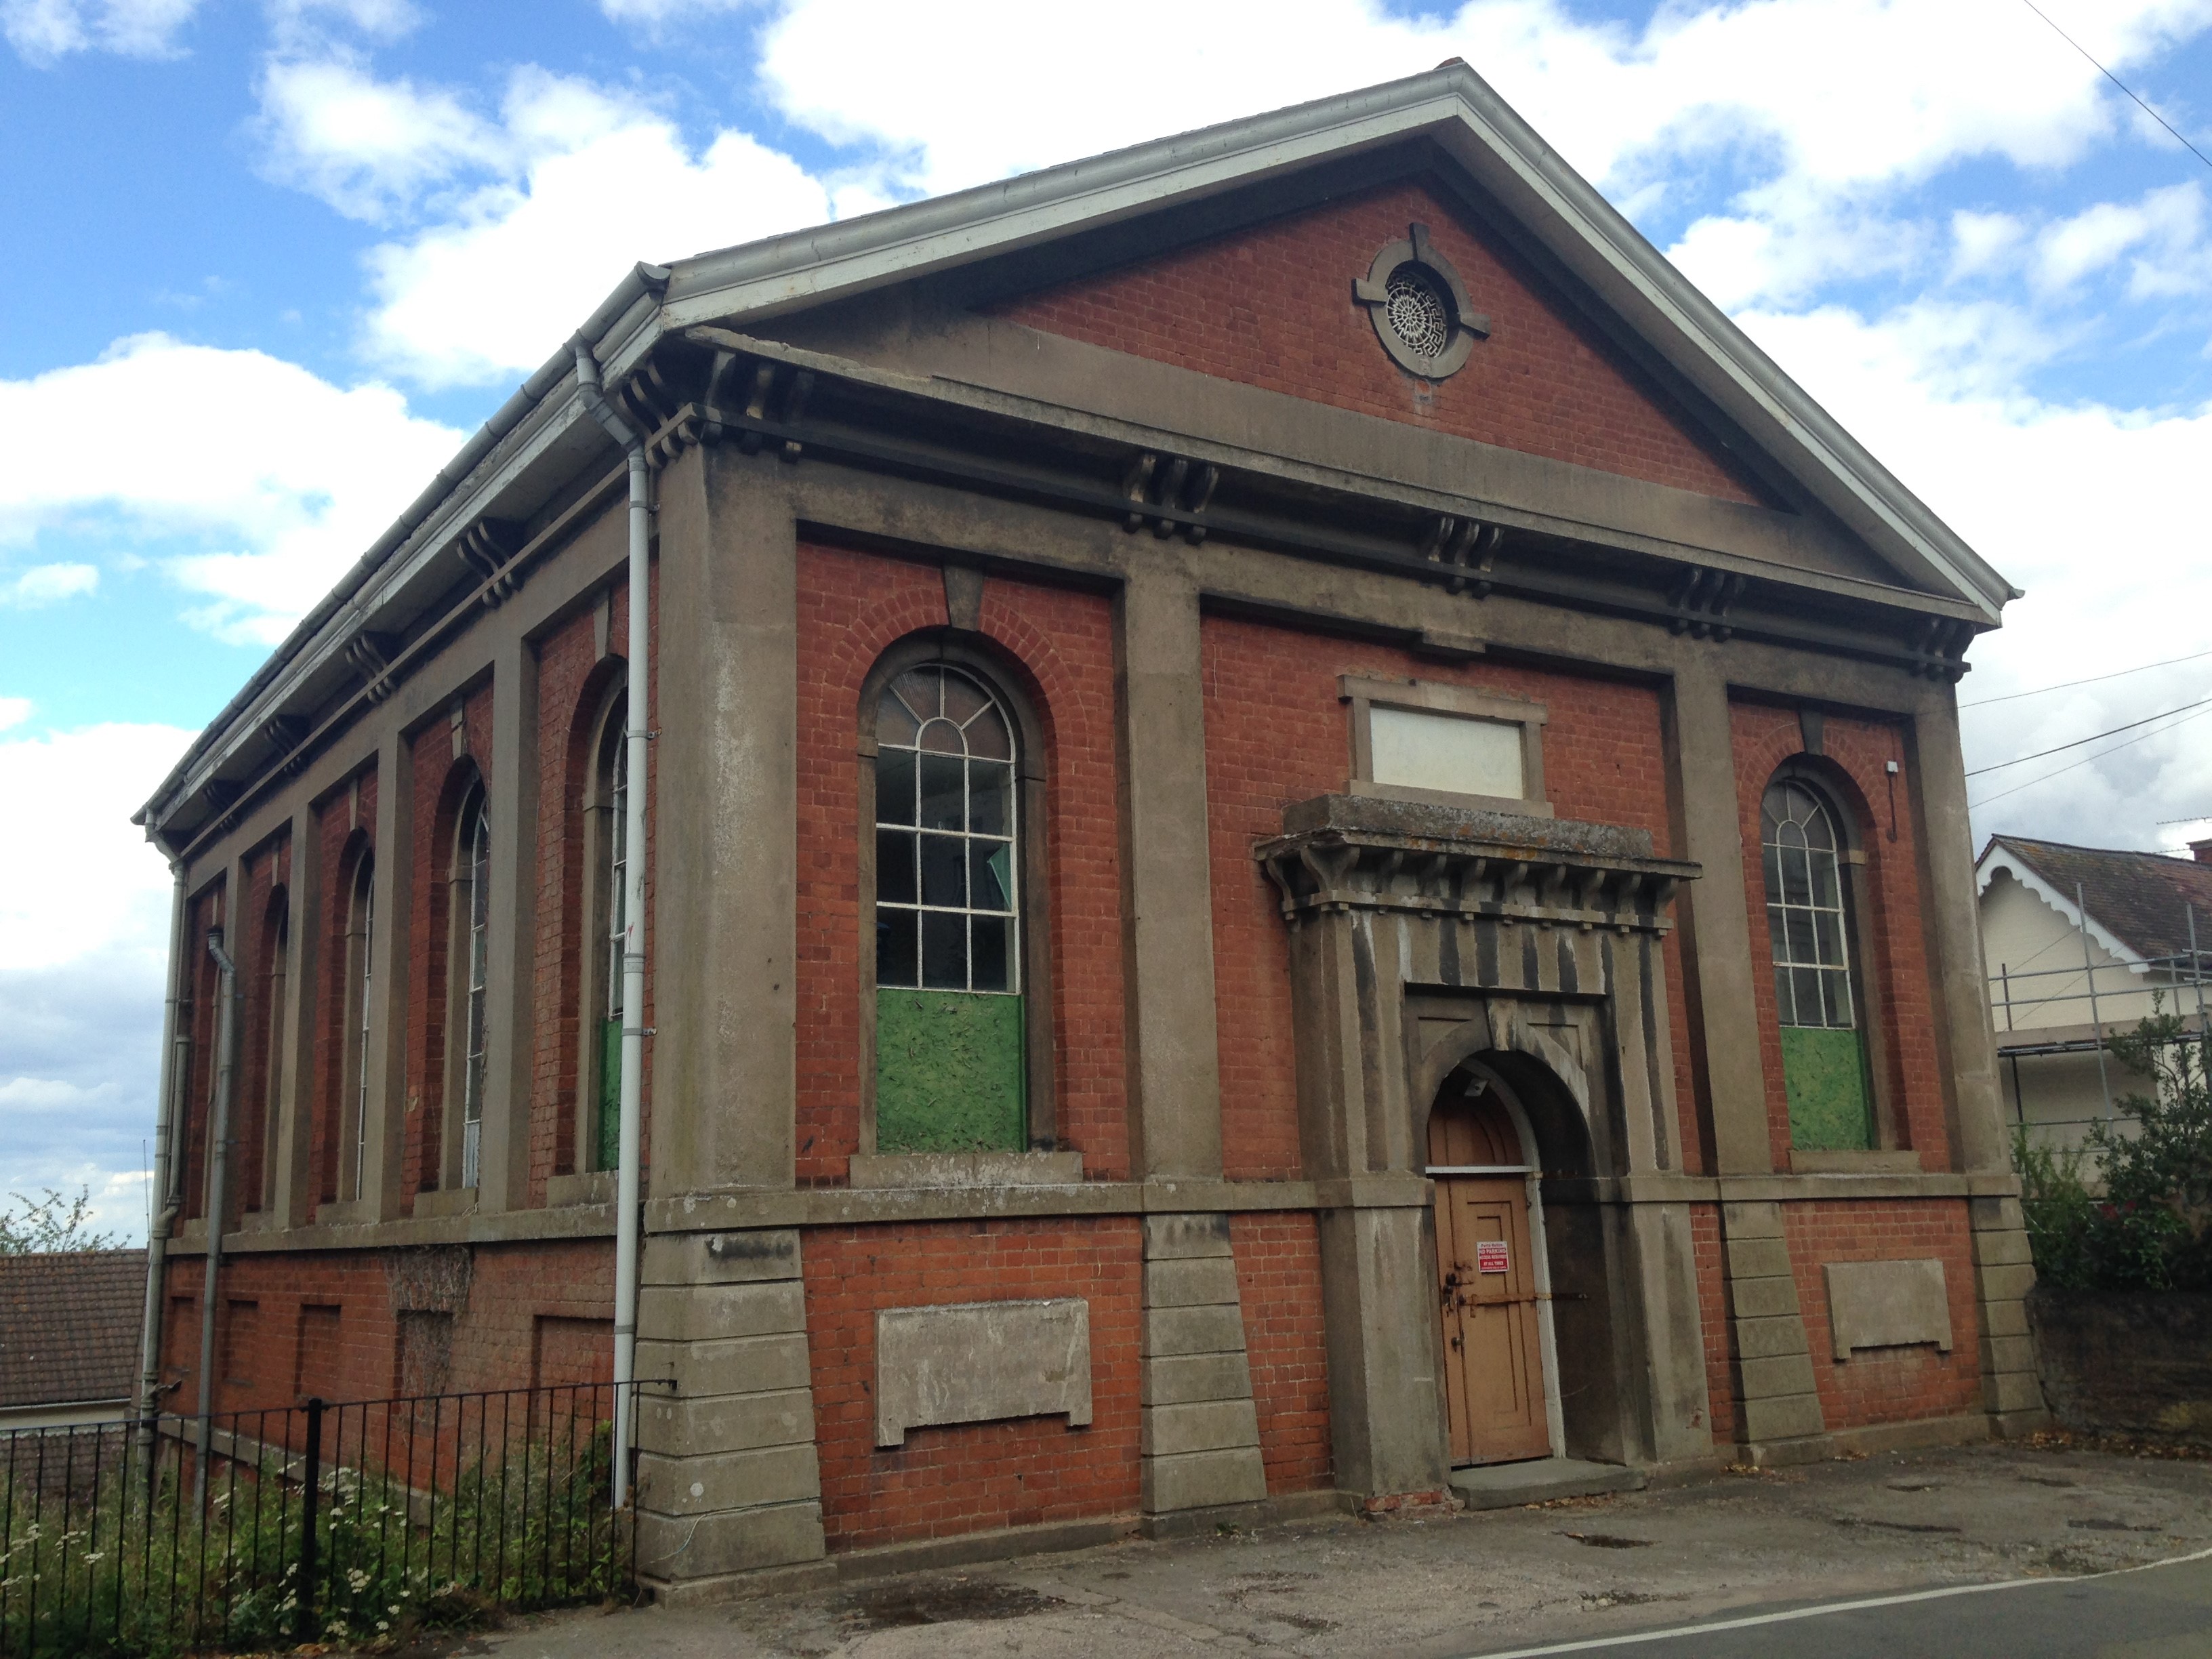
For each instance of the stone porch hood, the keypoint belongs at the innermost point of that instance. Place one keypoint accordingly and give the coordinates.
(1339, 852)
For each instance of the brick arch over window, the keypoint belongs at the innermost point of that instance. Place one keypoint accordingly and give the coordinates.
(939, 1025)
(1054, 646)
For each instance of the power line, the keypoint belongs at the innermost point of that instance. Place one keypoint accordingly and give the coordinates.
(2117, 81)
(1977, 805)
(2059, 749)
(2067, 686)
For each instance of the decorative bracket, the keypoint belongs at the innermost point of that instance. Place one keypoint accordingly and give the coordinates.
(371, 656)
(487, 547)
(1701, 600)
(1182, 487)
(1468, 547)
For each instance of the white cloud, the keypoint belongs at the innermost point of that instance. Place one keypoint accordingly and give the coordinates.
(85, 880)
(600, 182)
(656, 13)
(13, 711)
(288, 476)
(43, 584)
(2089, 508)
(1982, 242)
(367, 147)
(43, 31)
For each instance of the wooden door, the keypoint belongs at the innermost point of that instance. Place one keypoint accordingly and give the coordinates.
(1493, 1354)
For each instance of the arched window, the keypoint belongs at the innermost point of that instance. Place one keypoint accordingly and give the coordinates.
(1823, 1059)
(471, 921)
(950, 1037)
(361, 922)
(608, 929)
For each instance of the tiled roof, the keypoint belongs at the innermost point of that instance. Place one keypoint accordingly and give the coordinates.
(2143, 899)
(69, 1326)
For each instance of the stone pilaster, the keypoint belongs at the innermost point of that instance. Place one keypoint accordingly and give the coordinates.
(1781, 1420)
(1201, 1429)
(2004, 1273)
(727, 1480)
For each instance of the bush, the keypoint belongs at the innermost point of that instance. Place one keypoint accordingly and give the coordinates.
(2151, 1227)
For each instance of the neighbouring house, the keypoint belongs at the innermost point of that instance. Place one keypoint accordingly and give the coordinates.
(70, 1322)
(1301, 830)
(2081, 942)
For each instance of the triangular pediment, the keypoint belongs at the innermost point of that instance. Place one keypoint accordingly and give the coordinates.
(1275, 305)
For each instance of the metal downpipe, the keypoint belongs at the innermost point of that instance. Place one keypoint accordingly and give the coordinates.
(636, 735)
(165, 1198)
(226, 1078)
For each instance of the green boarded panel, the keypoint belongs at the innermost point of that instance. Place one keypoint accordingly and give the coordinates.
(949, 1072)
(1824, 1072)
(610, 1113)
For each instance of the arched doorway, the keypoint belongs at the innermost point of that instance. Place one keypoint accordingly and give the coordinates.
(1501, 1394)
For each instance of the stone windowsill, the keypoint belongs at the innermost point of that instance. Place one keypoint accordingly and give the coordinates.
(965, 1170)
(593, 1186)
(1512, 805)
(347, 1212)
(1901, 1162)
(457, 1201)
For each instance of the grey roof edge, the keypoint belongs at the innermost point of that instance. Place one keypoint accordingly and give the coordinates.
(898, 243)
(642, 281)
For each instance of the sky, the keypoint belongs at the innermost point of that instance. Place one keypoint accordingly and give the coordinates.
(268, 262)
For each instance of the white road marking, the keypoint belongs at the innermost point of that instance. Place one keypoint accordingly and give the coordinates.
(1593, 1643)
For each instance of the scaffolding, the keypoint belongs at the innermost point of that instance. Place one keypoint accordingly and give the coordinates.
(2180, 975)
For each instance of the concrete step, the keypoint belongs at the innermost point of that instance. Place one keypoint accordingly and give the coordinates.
(1503, 1485)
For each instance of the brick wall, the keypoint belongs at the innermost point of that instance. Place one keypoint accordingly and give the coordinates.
(956, 1478)
(1856, 783)
(1276, 732)
(1888, 1385)
(1059, 648)
(1272, 306)
(1278, 1287)
(324, 1323)
(204, 982)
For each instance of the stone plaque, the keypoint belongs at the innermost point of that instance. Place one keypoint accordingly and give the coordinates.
(1888, 1304)
(975, 1362)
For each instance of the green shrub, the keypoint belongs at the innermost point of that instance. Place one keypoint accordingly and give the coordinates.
(2151, 1226)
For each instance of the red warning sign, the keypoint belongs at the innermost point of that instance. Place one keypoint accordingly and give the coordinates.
(1491, 1257)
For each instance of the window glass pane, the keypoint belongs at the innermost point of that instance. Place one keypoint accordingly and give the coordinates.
(1797, 880)
(944, 874)
(1785, 1008)
(917, 689)
(944, 950)
(1417, 750)
(1771, 861)
(1828, 937)
(990, 799)
(963, 699)
(894, 722)
(1824, 881)
(942, 779)
(1819, 830)
(991, 875)
(895, 786)
(988, 736)
(897, 959)
(991, 952)
(1838, 1002)
(943, 737)
(1806, 988)
(894, 867)
(1798, 936)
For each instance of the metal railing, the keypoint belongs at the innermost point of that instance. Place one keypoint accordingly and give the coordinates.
(343, 1522)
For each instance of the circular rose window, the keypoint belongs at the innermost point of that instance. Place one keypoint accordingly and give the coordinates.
(1419, 307)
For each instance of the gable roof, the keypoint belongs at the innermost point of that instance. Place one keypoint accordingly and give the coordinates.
(69, 1326)
(2138, 903)
(541, 430)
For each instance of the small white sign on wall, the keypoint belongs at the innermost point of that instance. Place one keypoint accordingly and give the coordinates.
(1491, 1257)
